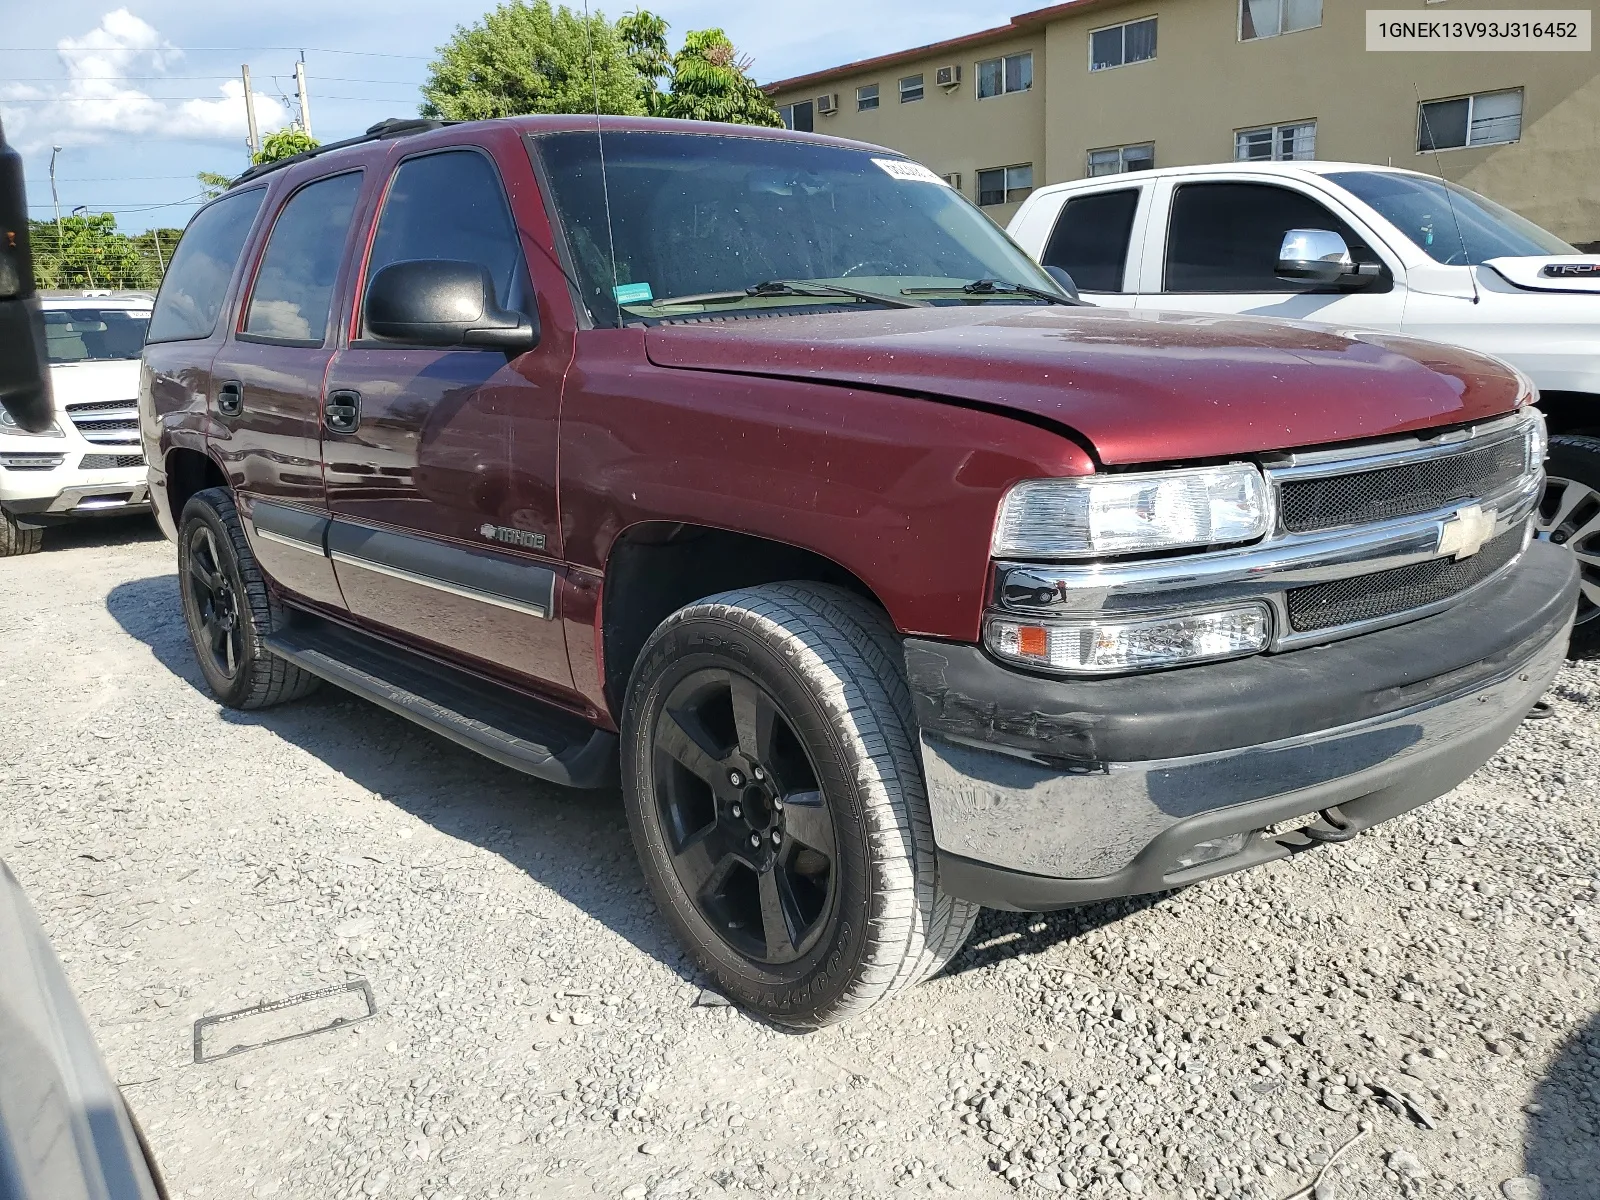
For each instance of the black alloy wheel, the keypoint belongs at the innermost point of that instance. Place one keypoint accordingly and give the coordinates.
(749, 834)
(216, 602)
(1569, 515)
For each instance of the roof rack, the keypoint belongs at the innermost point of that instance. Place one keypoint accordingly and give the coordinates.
(392, 127)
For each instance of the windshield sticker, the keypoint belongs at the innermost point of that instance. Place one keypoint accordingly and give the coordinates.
(901, 168)
(633, 293)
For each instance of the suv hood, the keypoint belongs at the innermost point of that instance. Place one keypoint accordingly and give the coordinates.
(1142, 387)
(95, 380)
(1550, 272)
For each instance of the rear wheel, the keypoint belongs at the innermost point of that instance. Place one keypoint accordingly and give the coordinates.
(228, 609)
(774, 788)
(18, 539)
(1569, 515)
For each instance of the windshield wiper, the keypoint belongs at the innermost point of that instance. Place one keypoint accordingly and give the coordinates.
(784, 287)
(996, 287)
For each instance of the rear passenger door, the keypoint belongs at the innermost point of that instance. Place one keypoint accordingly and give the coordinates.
(442, 492)
(1214, 248)
(268, 383)
(1093, 240)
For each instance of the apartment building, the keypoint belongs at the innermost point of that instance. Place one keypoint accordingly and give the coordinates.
(1093, 87)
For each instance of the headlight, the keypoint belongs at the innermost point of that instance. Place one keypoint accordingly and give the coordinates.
(10, 428)
(1131, 514)
(1108, 646)
(1538, 435)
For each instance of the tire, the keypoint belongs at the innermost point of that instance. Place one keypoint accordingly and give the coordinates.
(827, 757)
(1569, 515)
(228, 609)
(18, 539)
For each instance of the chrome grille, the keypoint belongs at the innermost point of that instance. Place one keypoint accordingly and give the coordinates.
(1382, 494)
(110, 462)
(107, 422)
(1359, 598)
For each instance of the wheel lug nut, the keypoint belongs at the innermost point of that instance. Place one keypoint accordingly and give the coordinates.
(777, 837)
(777, 804)
(755, 841)
(736, 778)
(758, 773)
(738, 811)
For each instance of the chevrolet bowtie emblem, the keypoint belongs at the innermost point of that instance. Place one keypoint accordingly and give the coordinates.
(1465, 532)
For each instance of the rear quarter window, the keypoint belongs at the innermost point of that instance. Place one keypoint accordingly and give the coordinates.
(196, 283)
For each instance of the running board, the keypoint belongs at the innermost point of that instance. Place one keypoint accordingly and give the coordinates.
(512, 729)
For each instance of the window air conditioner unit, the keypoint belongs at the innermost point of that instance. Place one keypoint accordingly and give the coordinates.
(829, 104)
(948, 76)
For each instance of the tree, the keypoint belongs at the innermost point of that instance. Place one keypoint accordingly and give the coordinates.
(285, 143)
(532, 58)
(644, 38)
(213, 185)
(711, 82)
(88, 252)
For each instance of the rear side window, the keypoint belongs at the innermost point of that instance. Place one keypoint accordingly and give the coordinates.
(1225, 237)
(293, 291)
(451, 206)
(1091, 238)
(197, 278)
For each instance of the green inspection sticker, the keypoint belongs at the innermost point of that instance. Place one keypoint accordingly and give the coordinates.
(632, 293)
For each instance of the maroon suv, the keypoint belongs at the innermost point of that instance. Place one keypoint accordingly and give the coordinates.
(897, 581)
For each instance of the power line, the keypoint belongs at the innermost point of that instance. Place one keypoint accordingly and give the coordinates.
(194, 199)
(213, 98)
(105, 178)
(177, 78)
(206, 50)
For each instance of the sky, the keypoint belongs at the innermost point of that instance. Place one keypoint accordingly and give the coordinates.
(140, 98)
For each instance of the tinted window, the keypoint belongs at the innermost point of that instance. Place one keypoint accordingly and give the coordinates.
(1224, 237)
(1090, 240)
(294, 287)
(451, 206)
(93, 334)
(197, 278)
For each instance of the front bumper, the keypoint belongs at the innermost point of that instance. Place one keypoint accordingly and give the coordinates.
(120, 495)
(1047, 793)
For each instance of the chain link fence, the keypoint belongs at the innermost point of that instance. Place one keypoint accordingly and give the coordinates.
(88, 253)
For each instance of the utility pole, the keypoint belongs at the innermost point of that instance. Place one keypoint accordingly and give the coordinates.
(55, 150)
(250, 113)
(305, 105)
(160, 261)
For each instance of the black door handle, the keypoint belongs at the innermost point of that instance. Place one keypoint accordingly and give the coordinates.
(230, 398)
(341, 411)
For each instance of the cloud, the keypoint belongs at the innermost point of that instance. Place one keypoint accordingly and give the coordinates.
(97, 103)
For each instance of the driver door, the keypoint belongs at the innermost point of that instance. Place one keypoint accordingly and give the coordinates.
(1216, 251)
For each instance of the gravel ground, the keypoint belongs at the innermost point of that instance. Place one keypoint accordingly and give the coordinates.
(1430, 986)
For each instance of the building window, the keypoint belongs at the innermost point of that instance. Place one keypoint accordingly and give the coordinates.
(1122, 44)
(1113, 160)
(1268, 18)
(910, 89)
(1005, 185)
(998, 76)
(799, 116)
(866, 97)
(1487, 119)
(953, 179)
(1276, 143)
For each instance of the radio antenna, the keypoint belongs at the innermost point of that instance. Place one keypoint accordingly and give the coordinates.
(600, 142)
(1444, 184)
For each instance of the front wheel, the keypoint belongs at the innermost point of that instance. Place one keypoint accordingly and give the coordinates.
(18, 539)
(1569, 515)
(774, 789)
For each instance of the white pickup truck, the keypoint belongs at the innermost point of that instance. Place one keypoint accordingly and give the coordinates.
(89, 462)
(1346, 244)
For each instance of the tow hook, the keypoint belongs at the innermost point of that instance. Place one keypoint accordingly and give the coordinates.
(1334, 827)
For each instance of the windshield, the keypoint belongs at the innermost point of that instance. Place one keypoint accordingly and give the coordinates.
(93, 334)
(698, 214)
(1421, 209)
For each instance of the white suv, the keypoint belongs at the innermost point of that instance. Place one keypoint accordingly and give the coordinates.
(89, 463)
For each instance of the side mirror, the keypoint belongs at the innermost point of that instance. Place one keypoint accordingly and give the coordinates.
(1064, 280)
(442, 302)
(1314, 256)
